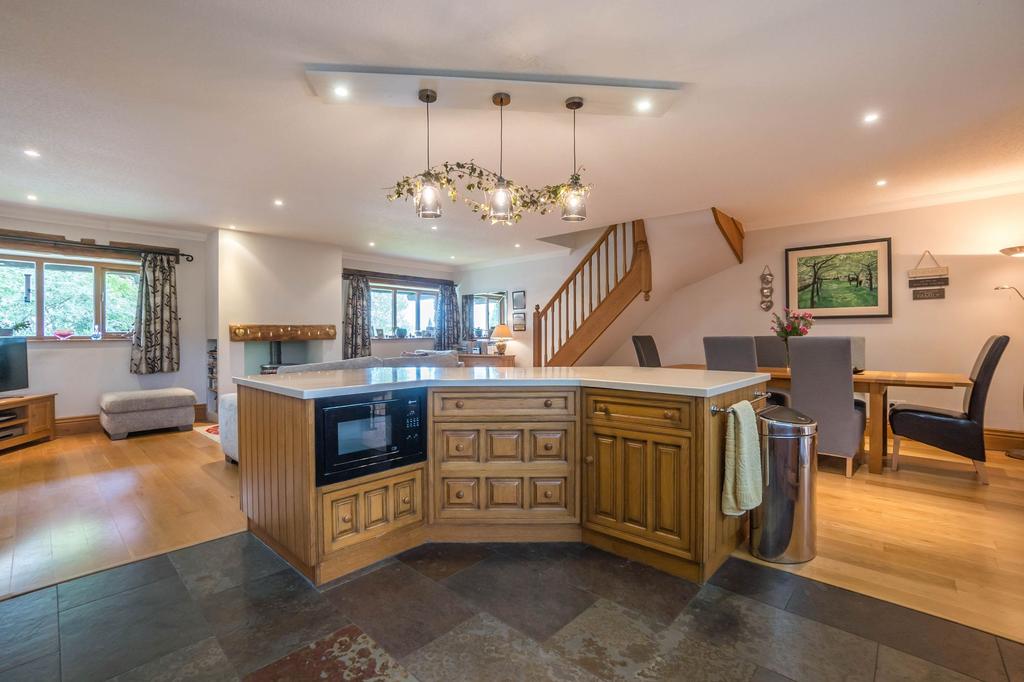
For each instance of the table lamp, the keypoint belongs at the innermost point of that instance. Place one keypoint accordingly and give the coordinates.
(500, 334)
(1016, 252)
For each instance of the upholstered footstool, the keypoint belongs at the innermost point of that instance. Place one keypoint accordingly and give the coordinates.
(127, 412)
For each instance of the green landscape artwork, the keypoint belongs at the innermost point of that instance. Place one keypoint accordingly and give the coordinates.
(838, 280)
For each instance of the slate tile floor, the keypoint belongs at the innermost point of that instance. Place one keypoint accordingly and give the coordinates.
(230, 609)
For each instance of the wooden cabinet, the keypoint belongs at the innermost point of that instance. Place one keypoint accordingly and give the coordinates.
(27, 419)
(504, 456)
(478, 360)
(370, 507)
(639, 483)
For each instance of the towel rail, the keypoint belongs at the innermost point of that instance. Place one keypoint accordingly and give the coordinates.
(758, 396)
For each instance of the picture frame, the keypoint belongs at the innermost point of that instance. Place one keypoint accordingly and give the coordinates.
(842, 280)
(518, 322)
(518, 300)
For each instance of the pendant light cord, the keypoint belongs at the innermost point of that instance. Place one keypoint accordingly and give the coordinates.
(573, 142)
(428, 135)
(501, 140)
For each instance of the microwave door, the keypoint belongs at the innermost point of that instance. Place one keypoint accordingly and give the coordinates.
(359, 432)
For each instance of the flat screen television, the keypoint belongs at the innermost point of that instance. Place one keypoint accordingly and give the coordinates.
(13, 363)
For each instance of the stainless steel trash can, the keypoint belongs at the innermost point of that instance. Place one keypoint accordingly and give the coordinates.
(783, 529)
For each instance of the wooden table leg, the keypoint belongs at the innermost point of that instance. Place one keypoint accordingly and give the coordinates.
(878, 442)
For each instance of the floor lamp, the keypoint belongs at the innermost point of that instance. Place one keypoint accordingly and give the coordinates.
(1017, 252)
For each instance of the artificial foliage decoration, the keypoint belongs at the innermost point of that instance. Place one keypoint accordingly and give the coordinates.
(472, 177)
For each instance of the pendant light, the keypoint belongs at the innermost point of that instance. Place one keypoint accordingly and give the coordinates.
(428, 196)
(500, 199)
(574, 196)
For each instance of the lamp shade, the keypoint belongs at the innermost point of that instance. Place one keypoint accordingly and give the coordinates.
(501, 331)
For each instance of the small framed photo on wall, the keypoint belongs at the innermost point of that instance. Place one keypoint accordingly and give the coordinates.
(519, 300)
(519, 322)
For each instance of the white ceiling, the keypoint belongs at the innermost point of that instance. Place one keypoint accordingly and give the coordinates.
(199, 114)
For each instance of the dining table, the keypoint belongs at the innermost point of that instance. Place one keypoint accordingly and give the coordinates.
(876, 384)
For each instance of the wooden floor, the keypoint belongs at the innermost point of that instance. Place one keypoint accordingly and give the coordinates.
(928, 537)
(83, 503)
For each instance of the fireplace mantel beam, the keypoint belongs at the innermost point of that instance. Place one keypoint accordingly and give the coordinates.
(282, 332)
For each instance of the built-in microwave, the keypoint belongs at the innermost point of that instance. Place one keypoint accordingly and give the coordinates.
(365, 434)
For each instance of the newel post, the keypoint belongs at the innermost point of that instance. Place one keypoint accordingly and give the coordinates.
(537, 344)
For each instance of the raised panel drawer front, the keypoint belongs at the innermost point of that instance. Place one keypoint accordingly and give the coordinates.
(459, 445)
(504, 493)
(504, 444)
(639, 410)
(360, 511)
(461, 493)
(506, 404)
(551, 443)
(548, 493)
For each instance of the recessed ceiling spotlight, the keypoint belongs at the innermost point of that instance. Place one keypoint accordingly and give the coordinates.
(278, 202)
(340, 91)
(452, 257)
(871, 117)
(232, 227)
(881, 183)
(32, 152)
(373, 243)
(433, 227)
(32, 197)
(643, 105)
(517, 246)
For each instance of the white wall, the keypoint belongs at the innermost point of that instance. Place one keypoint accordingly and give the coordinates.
(269, 280)
(939, 336)
(78, 372)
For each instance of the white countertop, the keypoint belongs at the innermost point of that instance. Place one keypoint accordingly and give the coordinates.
(691, 382)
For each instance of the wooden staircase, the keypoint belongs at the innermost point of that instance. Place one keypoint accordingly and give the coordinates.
(609, 277)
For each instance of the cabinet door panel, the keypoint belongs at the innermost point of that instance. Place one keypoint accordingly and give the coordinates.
(358, 512)
(375, 506)
(635, 468)
(407, 498)
(342, 520)
(672, 479)
(461, 493)
(601, 475)
(549, 444)
(460, 445)
(504, 445)
(504, 493)
(548, 493)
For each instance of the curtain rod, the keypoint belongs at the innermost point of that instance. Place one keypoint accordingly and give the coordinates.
(350, 272)
(113, 247)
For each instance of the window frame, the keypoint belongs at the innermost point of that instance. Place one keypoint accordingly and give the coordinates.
(394, 290)
(99, 274)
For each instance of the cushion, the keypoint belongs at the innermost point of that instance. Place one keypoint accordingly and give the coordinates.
(449, 359)
(120, 402)
(351, 363)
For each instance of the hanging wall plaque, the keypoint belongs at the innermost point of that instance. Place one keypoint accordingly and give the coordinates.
(767, 290)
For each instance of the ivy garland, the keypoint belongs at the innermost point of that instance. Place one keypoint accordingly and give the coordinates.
(448, 176)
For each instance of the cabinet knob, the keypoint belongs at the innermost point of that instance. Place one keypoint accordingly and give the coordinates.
(460, 494)
(459, 447)
(549, 446)
(459, 404)
(603, 408)
(548, 403)
(589, 459)
(405, 500)
(346, 519)
(547, 494)
(667, 414)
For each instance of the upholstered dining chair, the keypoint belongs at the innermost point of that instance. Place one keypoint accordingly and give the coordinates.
(822, 388)
(771, 351)
(730, 353)
(646, 351)
(962, 433)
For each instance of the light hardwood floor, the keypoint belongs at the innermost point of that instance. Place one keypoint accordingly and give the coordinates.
(82, 503)
(928, 537)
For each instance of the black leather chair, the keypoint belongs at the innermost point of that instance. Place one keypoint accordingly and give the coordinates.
(646, 351)
(962, 433)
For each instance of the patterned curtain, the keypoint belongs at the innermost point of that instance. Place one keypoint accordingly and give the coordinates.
(448, 328)
(357, 318)
(156, 346)
(467, 317)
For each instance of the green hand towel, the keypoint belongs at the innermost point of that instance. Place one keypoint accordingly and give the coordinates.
(741, 489)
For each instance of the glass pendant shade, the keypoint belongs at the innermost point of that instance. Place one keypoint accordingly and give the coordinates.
(428, 200)
(574, 204)
(499, 204)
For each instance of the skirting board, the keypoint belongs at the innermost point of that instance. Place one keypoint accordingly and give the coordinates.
(87, 423)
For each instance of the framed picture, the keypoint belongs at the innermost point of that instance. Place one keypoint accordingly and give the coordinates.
(849, 279)
(518, 321)
(518, 300)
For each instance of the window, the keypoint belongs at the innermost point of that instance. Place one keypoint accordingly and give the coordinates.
(40, 295)
(394, 307)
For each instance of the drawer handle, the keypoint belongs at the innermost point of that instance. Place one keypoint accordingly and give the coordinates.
(547, 494)
(405, 500)
(589, 459)
(346, 519)
(459, 404)
(667, 414)
(460, 494)
(603, 408)
(548, 403)
(459, 447)
(549, 446)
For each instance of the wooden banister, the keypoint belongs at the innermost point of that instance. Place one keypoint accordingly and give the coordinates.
(613, 272)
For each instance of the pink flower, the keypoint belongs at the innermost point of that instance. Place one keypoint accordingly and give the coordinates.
(789, 327)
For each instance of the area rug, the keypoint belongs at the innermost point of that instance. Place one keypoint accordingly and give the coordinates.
(211, 431)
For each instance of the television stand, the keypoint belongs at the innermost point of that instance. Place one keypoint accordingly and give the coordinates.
(33, 420)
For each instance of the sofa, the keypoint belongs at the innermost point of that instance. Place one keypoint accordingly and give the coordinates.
(228, 405)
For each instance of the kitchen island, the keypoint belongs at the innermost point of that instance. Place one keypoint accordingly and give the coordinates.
(626, 459)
